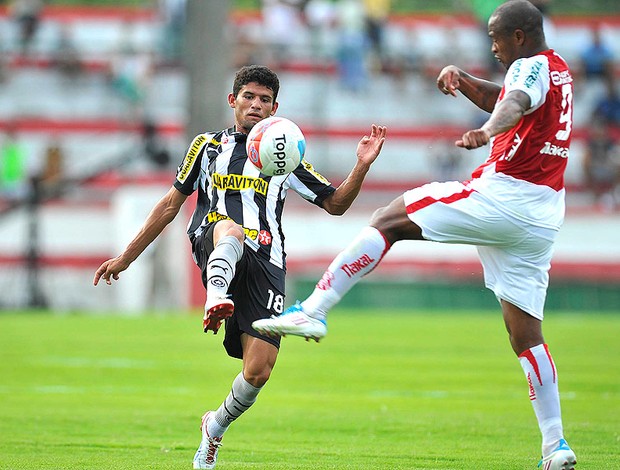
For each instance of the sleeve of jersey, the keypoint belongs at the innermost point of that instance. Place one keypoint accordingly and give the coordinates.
(529, 75)
(310, 184)
(187, 174)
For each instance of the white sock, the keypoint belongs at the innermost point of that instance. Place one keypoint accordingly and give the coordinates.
(242, 395)
(542, 379)
(221, 265)
(358, 259)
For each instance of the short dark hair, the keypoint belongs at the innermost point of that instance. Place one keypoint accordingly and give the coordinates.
(258, 74)
(520, 14)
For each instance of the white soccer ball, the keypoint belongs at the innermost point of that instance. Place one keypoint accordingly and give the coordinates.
(276, 146)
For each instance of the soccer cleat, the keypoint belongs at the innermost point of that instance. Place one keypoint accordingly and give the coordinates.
(217, 309)
(206, 455)
(562, 458)
(293, 321)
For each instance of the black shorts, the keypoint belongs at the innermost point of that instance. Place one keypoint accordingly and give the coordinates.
(257, 290)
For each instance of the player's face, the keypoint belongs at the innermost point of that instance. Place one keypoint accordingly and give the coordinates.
(253, 103)
(504, 45)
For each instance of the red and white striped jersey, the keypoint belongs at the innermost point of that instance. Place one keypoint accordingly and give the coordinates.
(529, 160)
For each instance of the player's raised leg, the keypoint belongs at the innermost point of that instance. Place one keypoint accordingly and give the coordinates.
(220, 270)
(308, 318)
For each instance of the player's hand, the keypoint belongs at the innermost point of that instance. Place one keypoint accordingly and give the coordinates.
(449, 80)
(474, 139)
(109, 270)
(369, 147)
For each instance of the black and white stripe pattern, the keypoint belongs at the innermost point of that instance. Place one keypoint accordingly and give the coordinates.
(229, 186)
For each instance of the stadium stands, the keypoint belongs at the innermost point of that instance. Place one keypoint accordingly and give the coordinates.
(98, 123)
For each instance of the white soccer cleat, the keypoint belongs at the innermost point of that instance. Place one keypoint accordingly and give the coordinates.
(293, 321)
(217, 309)
(206, 455)
(562, 458)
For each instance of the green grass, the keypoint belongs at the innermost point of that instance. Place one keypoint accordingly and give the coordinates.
(387, 390)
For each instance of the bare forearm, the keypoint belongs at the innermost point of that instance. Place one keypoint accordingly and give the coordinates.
(368, 150)
(341, 199)
(160, 216)
(152, 228)
(482, 93)
(505, 116)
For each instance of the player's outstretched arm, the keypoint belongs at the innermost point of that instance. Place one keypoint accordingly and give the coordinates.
(479, 91)
(505, 116)
(161, 215)
(368, 150)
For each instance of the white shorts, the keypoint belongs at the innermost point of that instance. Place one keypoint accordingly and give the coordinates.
(515, 255)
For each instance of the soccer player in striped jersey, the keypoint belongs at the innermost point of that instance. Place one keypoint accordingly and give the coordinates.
(511, 209)
(237, 238)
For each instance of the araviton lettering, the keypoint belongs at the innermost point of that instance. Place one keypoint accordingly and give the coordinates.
(239, 183)
(190, 158)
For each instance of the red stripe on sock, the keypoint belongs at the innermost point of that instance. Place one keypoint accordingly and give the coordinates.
(385, 250)
(551, 362)
(532, 360)
(427, 201)
(388, 245)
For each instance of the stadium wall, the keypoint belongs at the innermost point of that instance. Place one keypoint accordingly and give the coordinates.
(77, 236)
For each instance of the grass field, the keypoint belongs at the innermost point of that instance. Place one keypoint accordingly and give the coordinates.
(385, 390)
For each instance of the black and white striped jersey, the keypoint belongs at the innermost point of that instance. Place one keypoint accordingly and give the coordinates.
(230, 187)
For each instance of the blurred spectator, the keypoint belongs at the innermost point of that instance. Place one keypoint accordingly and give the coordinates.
(52, 171)
(282, 22)
(130, 74)
(246, 49)
(352, 44)
(4, 63)
(607, 108)
(173, 16)
(446, 160)
(482, 10)
(320, 18)
(66, 54)
(154, 148)
(27, 14)
(545, 8)
(596, 60)
(13, 166)
(377, 14)
(601, 165)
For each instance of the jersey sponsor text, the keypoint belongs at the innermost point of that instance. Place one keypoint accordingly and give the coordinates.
(190, 158)
(239, 183)
(551, 149)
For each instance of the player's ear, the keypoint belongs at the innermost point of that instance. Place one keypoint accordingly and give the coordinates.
(519, 36)
(274, 109)
(232, 100)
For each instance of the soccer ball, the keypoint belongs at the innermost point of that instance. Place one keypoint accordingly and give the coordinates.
(276, 146)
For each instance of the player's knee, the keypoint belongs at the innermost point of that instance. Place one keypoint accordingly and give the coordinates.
(257, 378)
(226, 228)
(380, 219)
(393, 223)
(236, 231)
